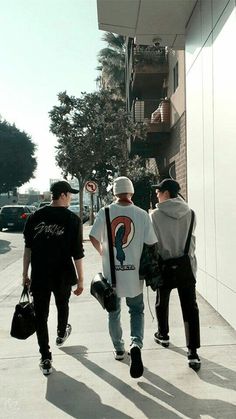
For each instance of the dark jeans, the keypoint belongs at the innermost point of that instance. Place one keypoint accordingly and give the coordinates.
(41, 298)
(190, 312)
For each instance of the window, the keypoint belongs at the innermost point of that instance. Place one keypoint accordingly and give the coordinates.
(176, 76)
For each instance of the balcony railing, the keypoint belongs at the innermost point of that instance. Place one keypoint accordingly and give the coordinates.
(148, 54)
(155, 113)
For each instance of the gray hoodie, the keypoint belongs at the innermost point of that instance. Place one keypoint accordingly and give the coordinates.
(171, 221)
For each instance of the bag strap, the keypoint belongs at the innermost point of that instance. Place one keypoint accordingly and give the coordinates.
(110, 245)
(187, 244)
(25, 293)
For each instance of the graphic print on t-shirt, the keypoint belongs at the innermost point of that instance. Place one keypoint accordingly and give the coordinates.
(122, 234)
(48, 230)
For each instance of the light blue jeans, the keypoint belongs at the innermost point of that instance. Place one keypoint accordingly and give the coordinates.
(136, 311)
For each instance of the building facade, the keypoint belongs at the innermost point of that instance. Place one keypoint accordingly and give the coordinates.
(203, 34)
(211, 135)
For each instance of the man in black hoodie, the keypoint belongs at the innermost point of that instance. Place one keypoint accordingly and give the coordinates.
(53, 248)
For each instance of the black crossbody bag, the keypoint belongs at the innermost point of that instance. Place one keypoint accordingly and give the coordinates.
(100, 287)
(177, 272)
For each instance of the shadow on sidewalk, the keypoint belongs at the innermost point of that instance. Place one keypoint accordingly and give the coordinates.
(213, 373)
(184, 403)
(78, 400)
(4, 246)
(149, 407)
(160, 389)
(188, 405)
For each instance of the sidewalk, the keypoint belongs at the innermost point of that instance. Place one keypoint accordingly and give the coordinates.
(88, 383)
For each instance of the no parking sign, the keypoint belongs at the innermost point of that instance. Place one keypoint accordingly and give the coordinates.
(91, 186)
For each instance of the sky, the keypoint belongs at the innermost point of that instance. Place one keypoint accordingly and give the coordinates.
(47, 46)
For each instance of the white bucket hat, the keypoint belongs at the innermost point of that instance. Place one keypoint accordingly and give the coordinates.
(122, 184)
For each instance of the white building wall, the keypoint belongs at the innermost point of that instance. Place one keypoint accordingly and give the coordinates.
(177, 97)
(211, 148)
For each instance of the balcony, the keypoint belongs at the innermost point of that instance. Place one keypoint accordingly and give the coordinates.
(155, 114)
(150, 69)
(150, 59)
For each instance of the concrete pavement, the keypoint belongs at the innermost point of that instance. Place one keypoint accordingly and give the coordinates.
(88, 383)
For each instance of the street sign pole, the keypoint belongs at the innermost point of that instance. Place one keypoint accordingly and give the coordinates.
(91, 212)
(91, 187)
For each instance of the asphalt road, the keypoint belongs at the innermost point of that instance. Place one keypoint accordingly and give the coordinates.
(11, 247)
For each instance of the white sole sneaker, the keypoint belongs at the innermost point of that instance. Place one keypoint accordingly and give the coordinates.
(61, 341)
(163, 342)
(119, 355)
(46, 366)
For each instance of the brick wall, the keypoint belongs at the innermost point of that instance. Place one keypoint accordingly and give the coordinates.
(172, 157)
(152, 166)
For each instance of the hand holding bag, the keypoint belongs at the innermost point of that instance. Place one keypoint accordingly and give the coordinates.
(23, 322)
(100, 287)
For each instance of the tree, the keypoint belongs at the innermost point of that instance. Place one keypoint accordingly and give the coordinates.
(112, 64)
(142, 179)
(17, 161)
(112, 78)
(92, 133)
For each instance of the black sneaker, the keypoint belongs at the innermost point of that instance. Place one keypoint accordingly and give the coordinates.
(162, 340)
(194, 361)
(46, 366)
(136, 364)
(119, 355)
(59, 340)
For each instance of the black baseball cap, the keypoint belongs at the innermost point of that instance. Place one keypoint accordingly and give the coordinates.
(168, 184)
(62, 187)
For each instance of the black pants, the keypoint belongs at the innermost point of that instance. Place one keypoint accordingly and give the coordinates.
(190, 312)
(41, 298)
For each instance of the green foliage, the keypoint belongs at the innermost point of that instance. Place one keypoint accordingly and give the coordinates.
(92, 133)
(112, 64)
(17, 161)
(142, 179)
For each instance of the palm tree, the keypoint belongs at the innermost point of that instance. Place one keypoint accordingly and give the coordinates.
(112, 64)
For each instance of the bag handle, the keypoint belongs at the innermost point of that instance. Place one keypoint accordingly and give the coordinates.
(110, 245)
(25, 293)
(187, 244)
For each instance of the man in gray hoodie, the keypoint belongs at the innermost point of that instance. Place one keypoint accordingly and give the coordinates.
(171, 221)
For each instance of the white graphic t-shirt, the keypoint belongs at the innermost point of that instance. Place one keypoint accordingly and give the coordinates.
(131, 228)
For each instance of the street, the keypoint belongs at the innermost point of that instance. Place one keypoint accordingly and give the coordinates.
(11, 247)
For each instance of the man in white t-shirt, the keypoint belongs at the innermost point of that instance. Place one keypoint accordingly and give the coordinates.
(131, 228)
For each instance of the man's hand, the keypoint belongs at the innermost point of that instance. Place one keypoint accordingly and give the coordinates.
(79, 288)
(26, 281)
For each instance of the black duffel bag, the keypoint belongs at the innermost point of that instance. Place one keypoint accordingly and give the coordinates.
(103, 292)
(23, 321)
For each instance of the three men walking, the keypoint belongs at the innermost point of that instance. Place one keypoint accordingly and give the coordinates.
(53, 247)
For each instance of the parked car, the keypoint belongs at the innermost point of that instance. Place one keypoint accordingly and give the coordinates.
(32, 208)
(14, 216)
(87, 210)
(42, 204)
(76, 210)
